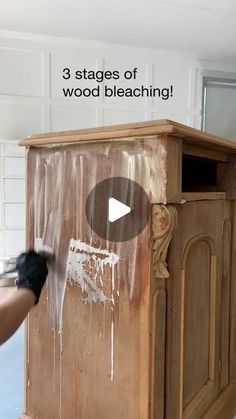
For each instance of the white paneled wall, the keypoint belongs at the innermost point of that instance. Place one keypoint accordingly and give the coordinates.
(12, 194)
(71, 117)
(21, 72)
(31, 100)
(15, 117)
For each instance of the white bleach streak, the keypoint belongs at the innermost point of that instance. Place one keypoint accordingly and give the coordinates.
(39, 246)
(81, 258)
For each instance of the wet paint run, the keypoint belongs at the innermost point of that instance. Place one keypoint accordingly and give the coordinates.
(85, 266)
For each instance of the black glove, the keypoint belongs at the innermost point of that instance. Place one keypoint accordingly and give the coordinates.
(32, 269)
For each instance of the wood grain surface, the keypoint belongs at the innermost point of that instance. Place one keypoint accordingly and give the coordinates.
(92, 359)
(111, 133)
(194, 310)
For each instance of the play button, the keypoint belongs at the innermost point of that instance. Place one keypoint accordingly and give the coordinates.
(117, 209)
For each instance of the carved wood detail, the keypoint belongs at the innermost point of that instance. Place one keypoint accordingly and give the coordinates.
(164, 222)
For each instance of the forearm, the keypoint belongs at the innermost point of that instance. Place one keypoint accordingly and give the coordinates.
(13, 311)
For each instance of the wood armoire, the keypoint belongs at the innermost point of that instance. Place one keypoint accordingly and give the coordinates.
(143, 328)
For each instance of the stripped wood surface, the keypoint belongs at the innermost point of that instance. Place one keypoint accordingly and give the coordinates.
(200, 196)
(95, 355)
(187, 134)
(194, 150)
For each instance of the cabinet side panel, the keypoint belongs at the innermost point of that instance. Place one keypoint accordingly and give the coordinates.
(88, 339)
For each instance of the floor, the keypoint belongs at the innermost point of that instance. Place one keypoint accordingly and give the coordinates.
(11, 371)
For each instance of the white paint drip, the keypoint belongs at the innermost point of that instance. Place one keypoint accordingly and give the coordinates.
(85, 266)
(39, 246)
(113, 284)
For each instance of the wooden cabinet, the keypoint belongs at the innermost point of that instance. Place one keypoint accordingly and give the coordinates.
(144, 328)
(195, 293)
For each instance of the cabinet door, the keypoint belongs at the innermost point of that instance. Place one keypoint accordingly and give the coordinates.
(193, 309)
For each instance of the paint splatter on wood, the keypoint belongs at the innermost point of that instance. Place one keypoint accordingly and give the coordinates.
(85, 266)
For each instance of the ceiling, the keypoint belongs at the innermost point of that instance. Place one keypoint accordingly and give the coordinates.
(206, 28)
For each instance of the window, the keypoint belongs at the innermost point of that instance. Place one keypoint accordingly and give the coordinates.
(219, 106)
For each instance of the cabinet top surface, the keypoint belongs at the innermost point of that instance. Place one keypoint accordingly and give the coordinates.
(139, 129)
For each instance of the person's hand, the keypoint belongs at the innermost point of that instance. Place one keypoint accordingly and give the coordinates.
(32, 270)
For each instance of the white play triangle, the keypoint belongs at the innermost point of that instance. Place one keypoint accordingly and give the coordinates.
(117, 210)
